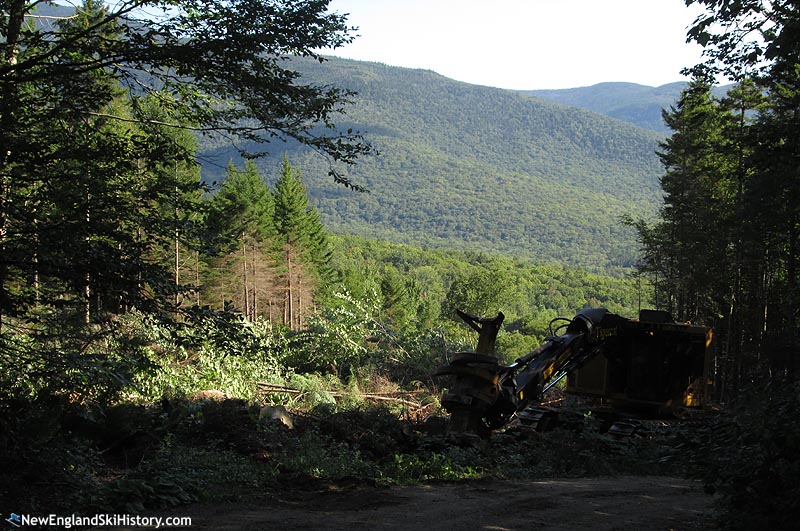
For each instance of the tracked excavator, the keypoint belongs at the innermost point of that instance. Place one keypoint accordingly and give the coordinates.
(650, 367)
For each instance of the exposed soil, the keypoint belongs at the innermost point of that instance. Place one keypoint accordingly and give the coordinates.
(621, 503)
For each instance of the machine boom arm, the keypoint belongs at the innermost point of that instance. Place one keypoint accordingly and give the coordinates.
(486, 395)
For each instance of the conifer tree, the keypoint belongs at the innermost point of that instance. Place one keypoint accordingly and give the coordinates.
(305, 247)
(241, 217)
(758, 40)
(739, 334)
(89, 200)
(57, 81)
(692, 234)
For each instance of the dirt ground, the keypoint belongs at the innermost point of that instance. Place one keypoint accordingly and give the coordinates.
(626, 503)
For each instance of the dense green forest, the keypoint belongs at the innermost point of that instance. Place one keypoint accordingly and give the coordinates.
(457, 162)
(157, 320)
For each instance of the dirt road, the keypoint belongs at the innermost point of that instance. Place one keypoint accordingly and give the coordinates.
(627, 503)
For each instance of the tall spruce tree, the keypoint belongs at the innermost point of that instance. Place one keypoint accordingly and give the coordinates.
(175, 186)
(305, 246)
(241, 218)
(739, 334)
(684, 249)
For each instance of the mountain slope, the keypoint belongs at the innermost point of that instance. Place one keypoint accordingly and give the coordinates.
(480, 168)
(637, 104)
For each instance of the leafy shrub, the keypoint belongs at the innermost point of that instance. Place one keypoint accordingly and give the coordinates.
(337, 337)
(417, 468)
(217, 350)
(90, 363)
(205, 472)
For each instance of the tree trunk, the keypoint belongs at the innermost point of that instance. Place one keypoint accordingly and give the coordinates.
(8, 104)
(254, 290)
(197, 278)
(87, 288)
(246, 299)
(791, 317)
(177, 246)
(289, 291)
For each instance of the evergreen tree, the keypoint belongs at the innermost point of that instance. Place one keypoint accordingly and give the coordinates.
(242, 207)
(693, 220)
(761, 41)
(306, 250)
(89, 199)
(739, 334)
(241, 219)
(57, 84)
(693, 253)
(175, 185)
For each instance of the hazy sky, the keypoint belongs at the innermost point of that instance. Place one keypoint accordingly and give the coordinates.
(526, 44)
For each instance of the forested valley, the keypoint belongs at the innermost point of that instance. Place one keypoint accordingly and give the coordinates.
(456, 163)
(170, 337)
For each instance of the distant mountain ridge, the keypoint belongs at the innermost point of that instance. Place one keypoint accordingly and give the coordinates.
(475, 168)
(479, 168)
(640, 105)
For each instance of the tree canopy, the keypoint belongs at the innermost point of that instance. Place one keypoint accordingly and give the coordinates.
(222, 63)
(88, 103)
(725, 249)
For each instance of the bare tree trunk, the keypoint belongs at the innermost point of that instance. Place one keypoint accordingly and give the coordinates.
(244, 278)
(289, 293)
(8, 103)
(791, 317)
(139, 279)
(36, 297)
(197, 277)
(177, 245)
(177, 270)
(299, 303)
(254, 290)
(87, 290)
(86, 301)
(269, 309)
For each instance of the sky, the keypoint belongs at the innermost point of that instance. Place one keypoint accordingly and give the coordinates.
(526, 44)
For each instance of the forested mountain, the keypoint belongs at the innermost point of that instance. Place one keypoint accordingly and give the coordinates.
(144, 323)
(630, 102)
(474, 167)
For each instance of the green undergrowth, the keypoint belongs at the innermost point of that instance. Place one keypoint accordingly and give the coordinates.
(186, 429)
(137, 457)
